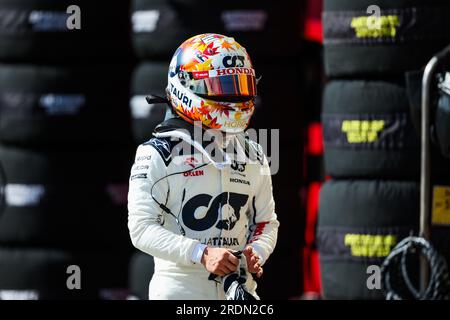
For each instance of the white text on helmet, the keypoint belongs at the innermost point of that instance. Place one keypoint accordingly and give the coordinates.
(180, 96)
(232, 71)
(233, 61)
(235, 124)
(222, 72)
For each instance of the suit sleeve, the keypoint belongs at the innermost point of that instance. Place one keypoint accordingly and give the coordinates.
(264, 227)
(144, 214)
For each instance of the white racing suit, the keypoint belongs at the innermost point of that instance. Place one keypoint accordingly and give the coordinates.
(216, 204)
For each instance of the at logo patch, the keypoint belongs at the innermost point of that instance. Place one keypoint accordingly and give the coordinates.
(227, 205)
(233, 61)
(238, 166)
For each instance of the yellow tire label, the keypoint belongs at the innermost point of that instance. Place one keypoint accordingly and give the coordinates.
(386, 26)
(362, 131)
(440, 213)
(368, 245)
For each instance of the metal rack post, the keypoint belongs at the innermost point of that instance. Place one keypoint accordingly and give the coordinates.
(425, 157)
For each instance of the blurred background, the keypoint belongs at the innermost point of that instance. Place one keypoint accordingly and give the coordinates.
(73, 110)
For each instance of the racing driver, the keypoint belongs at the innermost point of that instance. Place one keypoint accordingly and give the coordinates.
(202, 216)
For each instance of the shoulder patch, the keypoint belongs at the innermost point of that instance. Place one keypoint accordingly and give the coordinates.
(164, 147)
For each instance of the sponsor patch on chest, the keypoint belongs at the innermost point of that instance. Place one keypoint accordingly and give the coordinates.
(242, 181)
(194, 173)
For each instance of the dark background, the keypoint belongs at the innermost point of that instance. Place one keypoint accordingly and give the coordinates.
(72, 112)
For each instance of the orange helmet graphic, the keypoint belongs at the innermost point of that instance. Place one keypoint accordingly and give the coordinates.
(211, 79)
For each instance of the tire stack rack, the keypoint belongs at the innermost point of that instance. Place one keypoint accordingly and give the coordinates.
(371, 137)
(64, 149)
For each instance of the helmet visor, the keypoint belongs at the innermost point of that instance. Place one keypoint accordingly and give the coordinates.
(224, 85)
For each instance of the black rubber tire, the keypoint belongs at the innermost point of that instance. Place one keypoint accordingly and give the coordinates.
(41, 274)
(148, 78)
(141, 271)
(442, 124)
(35, 31)
(355, 208)
(169, 23)
(387, 149)
(49, 105)
(422, 30)
(65, 199)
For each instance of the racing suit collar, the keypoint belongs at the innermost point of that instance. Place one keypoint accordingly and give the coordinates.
(179, 129)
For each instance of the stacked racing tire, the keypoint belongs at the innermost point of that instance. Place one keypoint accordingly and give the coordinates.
(371, 138)
(65, 149)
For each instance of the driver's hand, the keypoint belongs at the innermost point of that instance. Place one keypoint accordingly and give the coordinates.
(252, 258)
(219, 261)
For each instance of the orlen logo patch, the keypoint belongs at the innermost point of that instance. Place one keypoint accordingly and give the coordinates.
(195, 173)
(192, 162)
